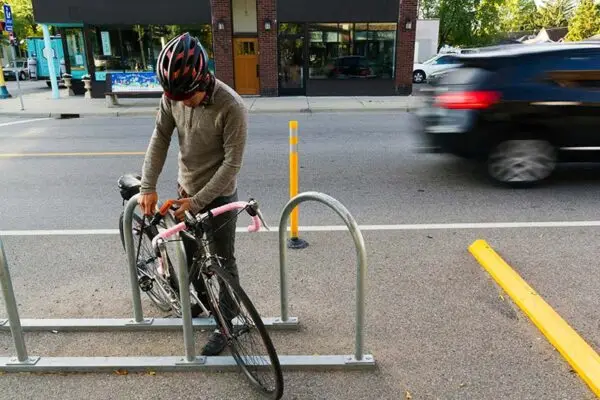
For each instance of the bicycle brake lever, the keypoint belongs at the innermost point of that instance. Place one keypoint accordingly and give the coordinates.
(262, 220)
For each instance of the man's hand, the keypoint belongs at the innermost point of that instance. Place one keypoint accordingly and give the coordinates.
(148, 202)
(184, 205)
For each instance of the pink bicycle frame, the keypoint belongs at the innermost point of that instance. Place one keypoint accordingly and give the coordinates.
(238, 205)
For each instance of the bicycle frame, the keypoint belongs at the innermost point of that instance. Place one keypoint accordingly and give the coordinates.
(203, 242)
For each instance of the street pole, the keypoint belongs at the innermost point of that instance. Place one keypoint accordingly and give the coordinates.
(14, 54)
(294, 242)
(48, 55)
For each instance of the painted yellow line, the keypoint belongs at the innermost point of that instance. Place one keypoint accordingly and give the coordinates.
(77, 154)
(582, 357)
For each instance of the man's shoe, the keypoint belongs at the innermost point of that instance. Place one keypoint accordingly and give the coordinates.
(215, 345)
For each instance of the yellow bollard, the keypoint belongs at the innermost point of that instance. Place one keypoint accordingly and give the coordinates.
(3, 90)
(295, 242)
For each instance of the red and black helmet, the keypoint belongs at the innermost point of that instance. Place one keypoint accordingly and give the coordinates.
(182, 67)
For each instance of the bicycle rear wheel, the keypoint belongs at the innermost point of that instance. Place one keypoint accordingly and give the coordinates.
(147, 261)
(250, 344)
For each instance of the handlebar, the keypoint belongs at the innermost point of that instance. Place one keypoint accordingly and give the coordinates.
(251, 207)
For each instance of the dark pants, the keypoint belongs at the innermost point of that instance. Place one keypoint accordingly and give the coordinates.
(223, 245)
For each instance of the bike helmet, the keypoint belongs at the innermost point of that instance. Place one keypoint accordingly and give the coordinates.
(182, 67)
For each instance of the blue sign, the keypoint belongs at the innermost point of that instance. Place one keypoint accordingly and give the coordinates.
(8, 19)
(135, 82)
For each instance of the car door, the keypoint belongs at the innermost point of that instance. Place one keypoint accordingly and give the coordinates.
(571, 99)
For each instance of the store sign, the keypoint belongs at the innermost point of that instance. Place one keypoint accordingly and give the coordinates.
(135, 82)
(106, 50)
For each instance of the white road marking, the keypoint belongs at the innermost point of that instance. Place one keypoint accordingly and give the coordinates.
(24, 121)
(333, 228)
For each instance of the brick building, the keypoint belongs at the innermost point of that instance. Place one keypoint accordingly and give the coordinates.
(259, 47)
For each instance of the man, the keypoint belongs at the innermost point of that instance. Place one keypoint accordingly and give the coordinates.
(211, 121)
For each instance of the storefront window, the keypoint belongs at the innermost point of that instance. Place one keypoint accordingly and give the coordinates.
(76, 49)
(351, 50)
(136, 48)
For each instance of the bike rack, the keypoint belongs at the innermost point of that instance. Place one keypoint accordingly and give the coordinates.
(358, 358)
(138, 322)
(190, 362)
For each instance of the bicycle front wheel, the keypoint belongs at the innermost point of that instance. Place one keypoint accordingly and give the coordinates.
(250, 344)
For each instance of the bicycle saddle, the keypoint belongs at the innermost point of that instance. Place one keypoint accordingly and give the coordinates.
(129, 185)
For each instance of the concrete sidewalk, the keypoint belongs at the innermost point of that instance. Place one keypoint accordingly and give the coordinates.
(41, 104)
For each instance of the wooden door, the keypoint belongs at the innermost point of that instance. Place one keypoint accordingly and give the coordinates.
(246, 66)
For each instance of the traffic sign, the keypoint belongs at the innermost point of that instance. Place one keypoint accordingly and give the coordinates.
(8, 18)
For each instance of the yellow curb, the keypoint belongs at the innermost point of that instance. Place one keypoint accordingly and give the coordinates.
(581, 356)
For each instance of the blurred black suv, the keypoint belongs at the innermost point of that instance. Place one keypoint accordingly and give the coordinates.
(520, 109)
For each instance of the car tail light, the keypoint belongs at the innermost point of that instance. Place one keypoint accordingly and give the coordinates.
(475, 100)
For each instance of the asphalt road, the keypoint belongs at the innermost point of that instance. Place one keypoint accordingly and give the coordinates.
(367, 161)
(436, 323)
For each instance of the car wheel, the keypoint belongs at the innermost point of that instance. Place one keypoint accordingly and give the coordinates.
(22, 76)
(418, 77)
(522, 162)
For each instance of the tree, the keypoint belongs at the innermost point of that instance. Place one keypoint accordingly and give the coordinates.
(23, 21)
(429, 9)
(487, 25)
(555, 13)
(519, 16)
(464, 22)
(585, 21)
(141, 33)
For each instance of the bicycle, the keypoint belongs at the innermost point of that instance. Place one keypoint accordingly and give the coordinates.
(161, 287)
(220, 292)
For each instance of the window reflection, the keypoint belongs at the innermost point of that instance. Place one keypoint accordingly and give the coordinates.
(136, 47)
(351, 50)
(76, 48)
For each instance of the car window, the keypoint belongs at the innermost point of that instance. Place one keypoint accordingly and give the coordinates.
(465, 76)
(575, 70)
(432, 60)
(445, 60)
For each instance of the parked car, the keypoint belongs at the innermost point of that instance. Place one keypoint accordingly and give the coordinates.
(520, 110)
(350, 67)
(22, 70)
(437, 63)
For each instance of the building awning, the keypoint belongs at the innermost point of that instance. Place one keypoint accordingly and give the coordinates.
(119, 12)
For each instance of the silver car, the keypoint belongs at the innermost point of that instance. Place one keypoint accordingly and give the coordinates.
(10, 71)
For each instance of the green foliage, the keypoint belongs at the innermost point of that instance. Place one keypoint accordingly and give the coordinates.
(585, 22)
(24, 24)
(519, 16)
(467, 23)
(555, 13)
(487, 17)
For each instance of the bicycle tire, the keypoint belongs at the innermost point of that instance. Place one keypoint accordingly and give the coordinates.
(243, 298)
(155, 295)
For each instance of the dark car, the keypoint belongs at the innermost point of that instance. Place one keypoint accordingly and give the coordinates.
(350, 67)
(520, 110)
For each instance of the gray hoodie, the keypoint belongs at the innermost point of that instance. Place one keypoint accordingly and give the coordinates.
(212, 138)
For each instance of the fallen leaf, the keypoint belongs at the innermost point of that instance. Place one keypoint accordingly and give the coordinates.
(152, 373)
(121, 372)
(408, 396)
(501, 297)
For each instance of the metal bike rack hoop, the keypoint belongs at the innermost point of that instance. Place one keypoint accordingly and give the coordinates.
(361, 267)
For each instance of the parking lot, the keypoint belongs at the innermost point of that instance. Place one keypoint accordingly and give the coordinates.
(436, 322)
